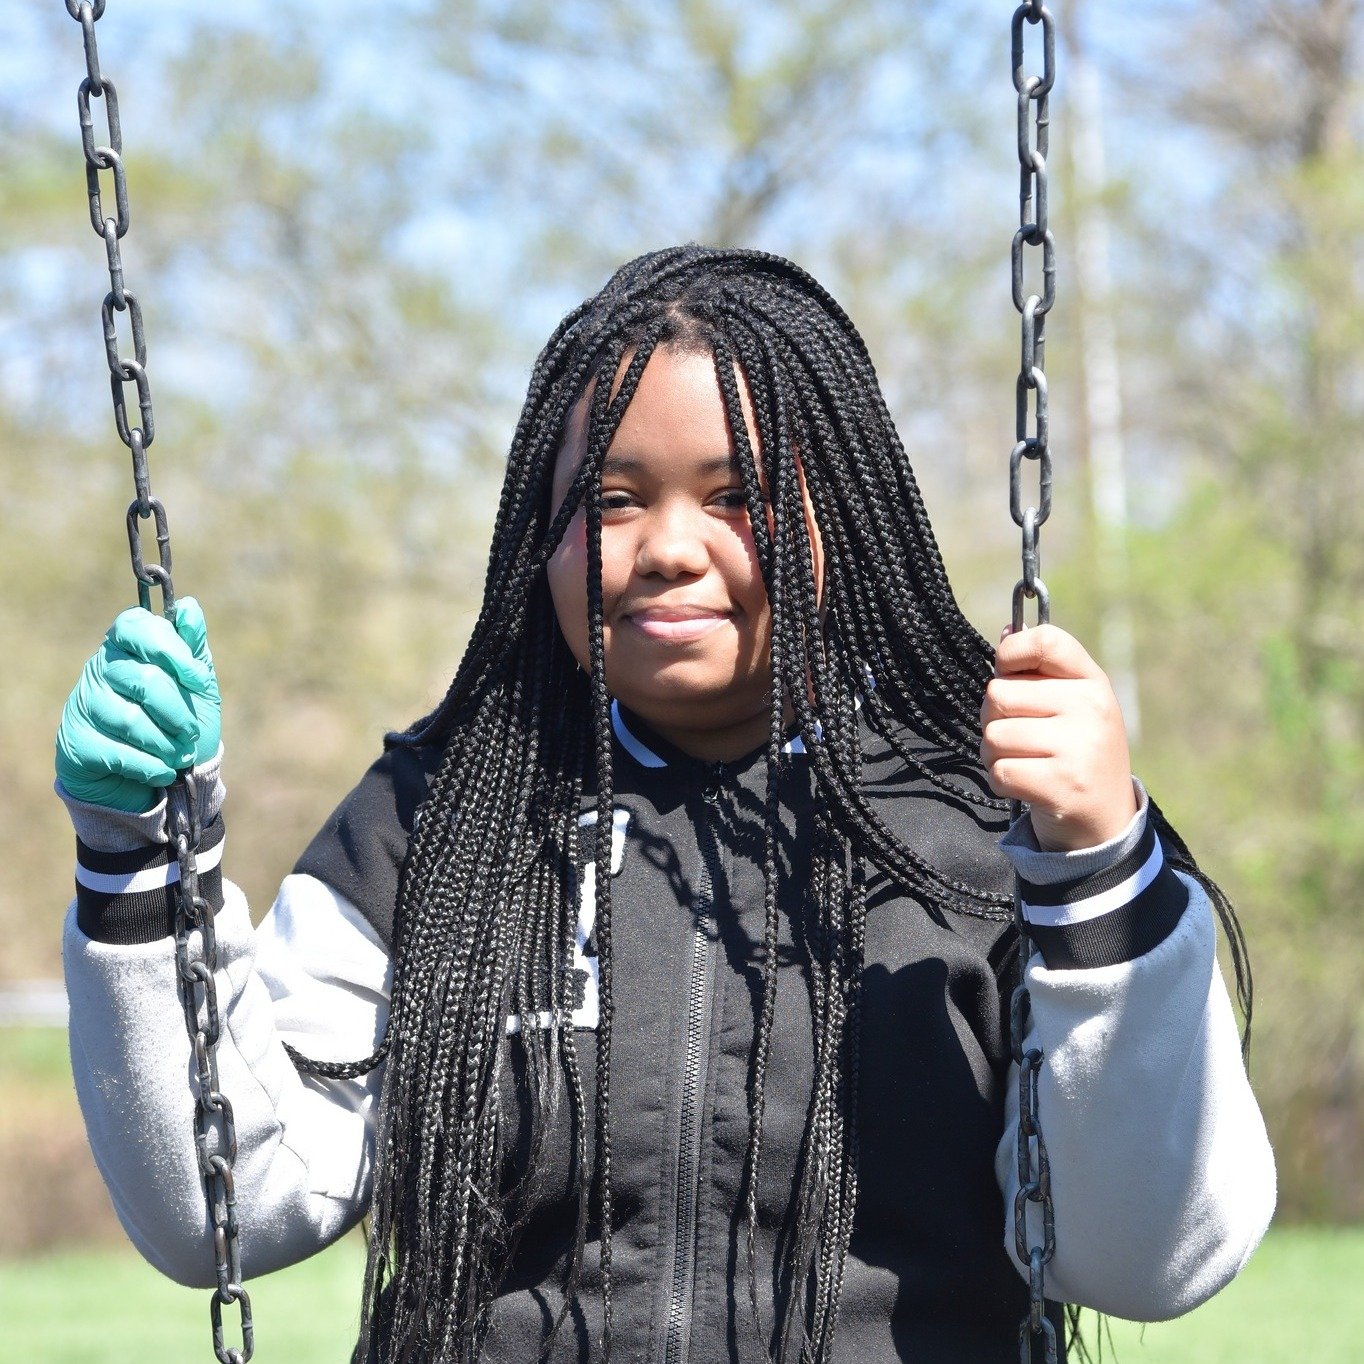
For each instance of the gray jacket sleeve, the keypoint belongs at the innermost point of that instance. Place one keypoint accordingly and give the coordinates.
(314, 974)
(1162, 1175)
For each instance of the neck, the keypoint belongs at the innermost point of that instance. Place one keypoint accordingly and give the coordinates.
(722, 743)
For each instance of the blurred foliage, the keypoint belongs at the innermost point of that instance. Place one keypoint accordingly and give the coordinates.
(351, 231)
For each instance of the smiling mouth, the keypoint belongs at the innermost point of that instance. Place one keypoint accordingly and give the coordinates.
(676, 628)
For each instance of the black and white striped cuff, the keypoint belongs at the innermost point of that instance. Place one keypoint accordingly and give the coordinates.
(126, 897)
(1113, 916)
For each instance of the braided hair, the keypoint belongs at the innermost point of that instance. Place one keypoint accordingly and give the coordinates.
(486, 908)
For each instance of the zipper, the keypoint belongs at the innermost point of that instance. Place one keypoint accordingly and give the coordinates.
(700, 1003)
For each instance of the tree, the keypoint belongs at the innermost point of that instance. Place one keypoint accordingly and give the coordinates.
(1270, 381)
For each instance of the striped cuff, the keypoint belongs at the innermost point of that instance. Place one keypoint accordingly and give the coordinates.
(126, 897)
(121, 830)
(1114, 915)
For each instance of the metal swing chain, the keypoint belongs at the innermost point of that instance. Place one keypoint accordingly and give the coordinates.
(1034, 128)
(196, 954)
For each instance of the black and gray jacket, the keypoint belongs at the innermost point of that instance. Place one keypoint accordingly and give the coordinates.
(1163, 1179)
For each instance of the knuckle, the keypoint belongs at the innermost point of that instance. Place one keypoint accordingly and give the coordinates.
(1000, 775)
(1102, 707)
(131, 682)
(1074, 790)
(1042, 638)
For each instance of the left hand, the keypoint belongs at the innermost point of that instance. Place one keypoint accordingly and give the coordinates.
(1053, 736)
(145, 705)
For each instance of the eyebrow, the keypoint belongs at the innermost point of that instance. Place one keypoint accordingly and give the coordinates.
(622, 464)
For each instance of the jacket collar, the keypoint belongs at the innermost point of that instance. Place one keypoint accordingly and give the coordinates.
(650, 749)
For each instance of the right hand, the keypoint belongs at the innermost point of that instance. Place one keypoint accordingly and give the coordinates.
(146, 705)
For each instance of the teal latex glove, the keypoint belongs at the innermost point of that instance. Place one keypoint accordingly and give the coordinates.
(146, 705)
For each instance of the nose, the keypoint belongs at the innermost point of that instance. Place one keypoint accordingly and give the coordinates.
(674, 543)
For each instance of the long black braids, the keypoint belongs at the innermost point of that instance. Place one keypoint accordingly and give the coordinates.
(601, 430)
(487, 906)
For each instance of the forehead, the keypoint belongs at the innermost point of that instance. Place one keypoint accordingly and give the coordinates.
(675, 422)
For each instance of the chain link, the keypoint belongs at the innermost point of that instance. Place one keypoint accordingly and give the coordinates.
(196, 942)
(1031, 426)
(1032, 437)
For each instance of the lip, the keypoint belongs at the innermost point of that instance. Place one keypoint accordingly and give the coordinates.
(676, 624)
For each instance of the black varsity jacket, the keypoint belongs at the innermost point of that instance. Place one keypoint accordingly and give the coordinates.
(927, 1277)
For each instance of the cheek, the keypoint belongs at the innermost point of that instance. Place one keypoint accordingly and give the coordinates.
(566, 573)
(743, 570)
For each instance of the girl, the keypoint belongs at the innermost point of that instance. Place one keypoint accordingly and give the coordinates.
(681, 931)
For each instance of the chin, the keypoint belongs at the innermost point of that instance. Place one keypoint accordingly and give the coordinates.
(675, 698)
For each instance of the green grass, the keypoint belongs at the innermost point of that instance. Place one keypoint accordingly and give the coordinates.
(109, 1307)
(1297, 1300)
(34, 1059)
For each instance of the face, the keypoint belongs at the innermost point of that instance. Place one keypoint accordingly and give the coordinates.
(686, 622)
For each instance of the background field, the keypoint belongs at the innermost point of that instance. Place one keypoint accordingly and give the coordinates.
(1297, 1300)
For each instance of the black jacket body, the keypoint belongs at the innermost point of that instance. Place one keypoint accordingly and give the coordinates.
(927, 1277)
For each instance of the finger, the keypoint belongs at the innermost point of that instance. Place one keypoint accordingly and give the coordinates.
(135, 765)
(193, 629)
(1046, 650)
(159, 695)
(127, 724)
(153, 639)
(1014, 696)
(112, 757)
(1024, 779)
(1029, 738)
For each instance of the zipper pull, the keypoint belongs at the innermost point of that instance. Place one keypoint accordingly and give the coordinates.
(714, 779)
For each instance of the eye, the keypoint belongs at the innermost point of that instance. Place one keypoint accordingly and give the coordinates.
(732, 499)
(615, 499)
